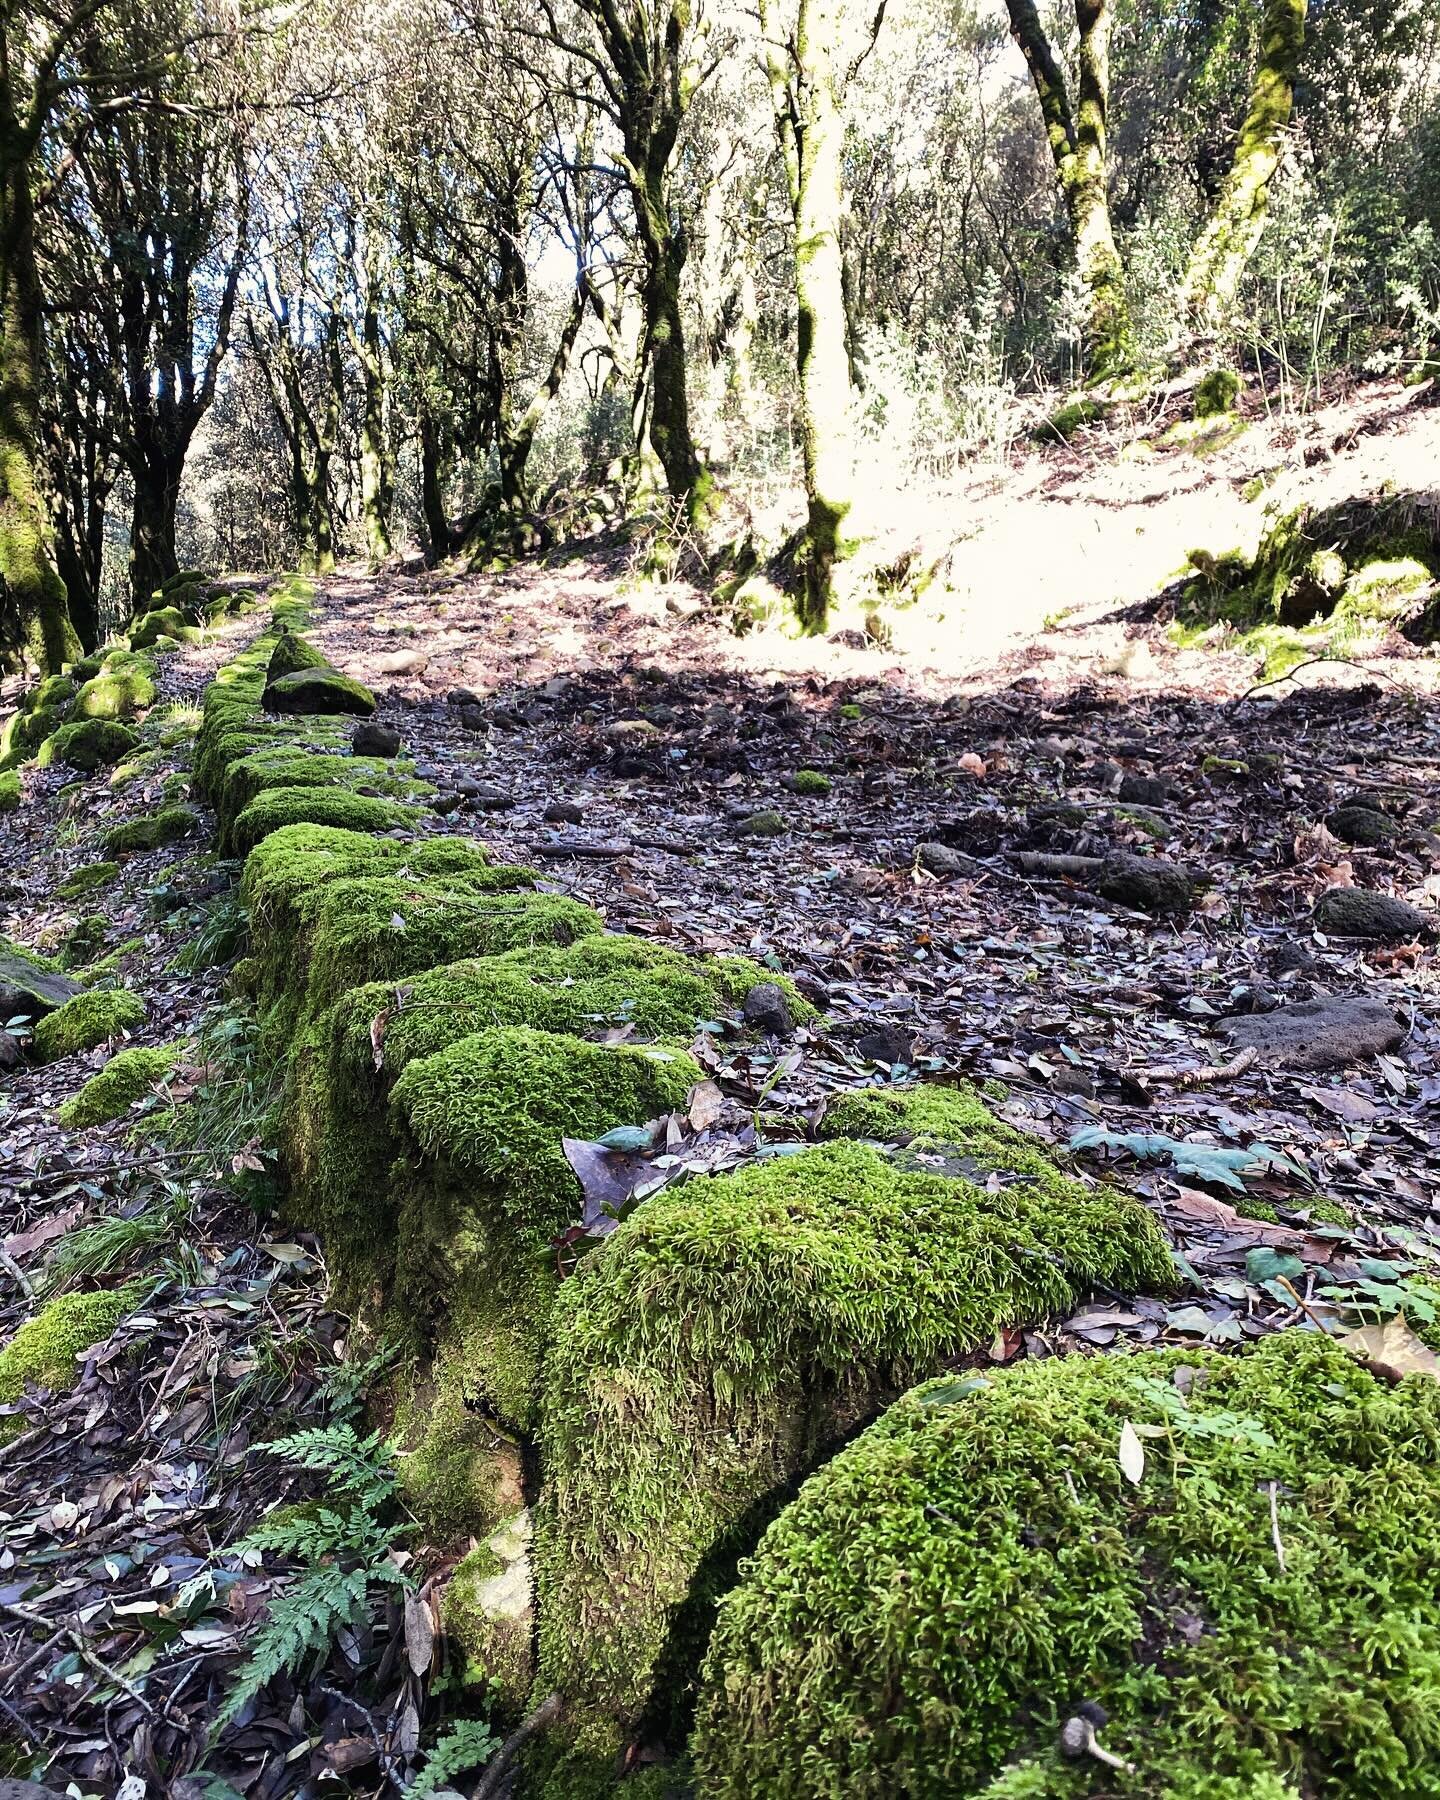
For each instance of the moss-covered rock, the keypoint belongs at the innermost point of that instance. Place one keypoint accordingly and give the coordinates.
(54, 690)
(89, 878)
(10, 791)
(166, 623)
(1359, 913)
(124, 687)
(150, 831)
(25, 732)
(730, 1332)
(291, 765)
(29, 984)
(277, 807)
(488, 1613)
(1362, 826)
(322, 690)
(42, 1352)
(89, 1019)
(291, 654)
(128, 1076)
(809, 781)
(976, 1568)
(89, 744)
(1215, 394)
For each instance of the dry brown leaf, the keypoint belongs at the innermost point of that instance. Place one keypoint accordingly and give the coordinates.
(56, 1225)
(1392, 1350)
(706, 1105)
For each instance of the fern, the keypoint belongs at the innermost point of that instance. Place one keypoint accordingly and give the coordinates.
(466, 1744)
(343, 1542)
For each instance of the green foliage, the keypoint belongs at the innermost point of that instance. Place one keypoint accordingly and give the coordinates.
(343, 1542)
(87, 1020)
(1250, 1613)
(1207, 1162)
(1216, 394)
(106, 1245)
(464, 1744)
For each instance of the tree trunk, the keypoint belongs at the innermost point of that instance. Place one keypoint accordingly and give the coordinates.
(81, 589)
(1224, 248)
(432, 490)
(1078, 145)
(152, 527)
(803, 86)
(663, 350)
(34, 616)
(377, 476)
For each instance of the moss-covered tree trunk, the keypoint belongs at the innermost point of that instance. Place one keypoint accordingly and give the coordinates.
(1078, 144)
(663, 348)
(34, 617)
(1224, 248)
(803, 83)
(153, 558)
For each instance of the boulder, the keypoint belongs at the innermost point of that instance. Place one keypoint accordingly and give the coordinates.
(1150, 884)
(1327, 1033)
(1362, 826)
(373, 739)
(28, 988)
(291, 654)
(1359, 913)
(322, 690)
(89, 744)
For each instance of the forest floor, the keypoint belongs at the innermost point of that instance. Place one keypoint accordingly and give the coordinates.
(618, 737)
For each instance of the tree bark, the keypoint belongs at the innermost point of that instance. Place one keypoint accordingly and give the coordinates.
(1078, 145)
(152, 524)
(1223, 250)
(34, 615)
(803, 84)
(377, 475)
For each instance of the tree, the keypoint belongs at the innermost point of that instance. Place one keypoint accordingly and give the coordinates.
(808, 66)
(1078, 142)
(1224, 248)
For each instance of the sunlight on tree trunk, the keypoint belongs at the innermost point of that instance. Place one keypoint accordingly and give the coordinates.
(1079, 144)
(803, 83)
(34, 619)
(1223, 251)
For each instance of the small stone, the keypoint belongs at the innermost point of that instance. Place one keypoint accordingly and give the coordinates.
(463, 696)
(9, 1050)
(1317, 1034)
(1150, 884)
(1107, 775)
(505, 718)
(761, 824)
(767, 1010)
(889, 1043)
(374, 739)
(1068, 1080)
(445, 804)
(940, 859)
(402, 662)
(564, 812)
(1362, 826)
(1289, 958)
(1145, 790)
(1359, 913)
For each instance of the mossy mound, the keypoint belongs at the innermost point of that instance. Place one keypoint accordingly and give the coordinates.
(292, 765)
(487, 1613)
(1215, 394)
(124, 687)
(10, 791)
(975, 1568)
(721, 1342)
(809, 781)
(322, 690)
(277, 807)
(42, 1352)
(291, 654)
(89, 744)
(25, 732)
(88, 879)
(1336, 578)
(89, 1019)
(150, 831)
(128, 1076)
(165, 623)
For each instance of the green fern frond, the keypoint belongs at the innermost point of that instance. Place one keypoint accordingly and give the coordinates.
(466, 1745)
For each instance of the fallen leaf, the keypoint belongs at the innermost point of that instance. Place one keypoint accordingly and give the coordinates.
(419, 1632)
(706, 1105)
(1353, 1108)
(1132, 1454)
(1392, 1350)
(55, 1225)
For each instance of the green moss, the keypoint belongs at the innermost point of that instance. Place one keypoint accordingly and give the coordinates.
(87, 879)
(291, 765)
(54, 690)
(322, 690)
(1216, 393)
(1384, 587)
(809, 781)
(133, 769)
(42, 1352)
(89, 744)
(277, 807)
(487, 1613)
(939, 1600)
(150, 831)
(87, 1020)
(167, 622)
(730, 1331)
(1066, 420)
(762, 824)
(128, 1076)
(460, 1473)
(25, 732)
(123, 689)
(84, 943)
(10, 793)
(103, 972)
(291, 654)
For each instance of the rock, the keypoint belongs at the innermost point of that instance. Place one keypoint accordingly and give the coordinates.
(767, 1010)
(472, 717)
(9, 1050)
(28, 988)
(445, 804)
(1317, 1034)
(13, 1789)
(1289, 958)
(318, 691)
(291, 654)
(505, 718)
(1068, 1080)
(463, 696)
(1150, 884)
(373, 739)
(940, 859)
(888, 1043)
(402, 662)
(564, 812)
(761, 824)
(482, 797)
(1362, 826)
(1359, 913)
(1145, 790)
(1107, 775)
(89, 744)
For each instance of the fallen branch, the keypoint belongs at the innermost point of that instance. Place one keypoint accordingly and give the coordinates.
(1188, 1078)
(1309, 663)
(496, 1769)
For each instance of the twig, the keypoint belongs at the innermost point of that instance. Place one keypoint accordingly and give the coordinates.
(1310, 662)
(16, 1274)
(544, 1714)
(1187, 1078)
(1275, 1526)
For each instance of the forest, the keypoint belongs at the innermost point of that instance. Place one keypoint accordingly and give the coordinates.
(720, 899)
